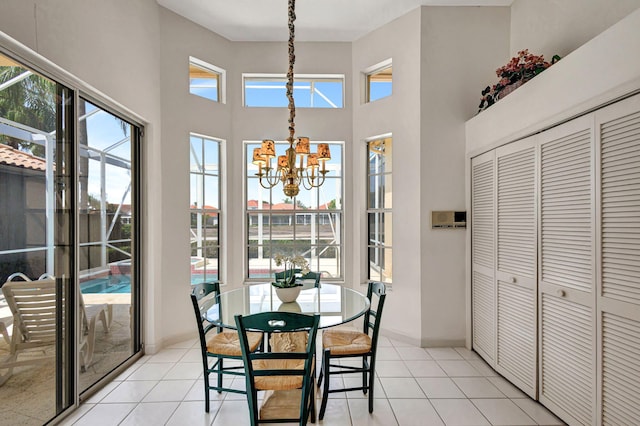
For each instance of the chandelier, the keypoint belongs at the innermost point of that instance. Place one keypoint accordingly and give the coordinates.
(290, 168)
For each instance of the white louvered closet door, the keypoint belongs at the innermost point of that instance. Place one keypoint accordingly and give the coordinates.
(516, 293)
(567, 272)
(483, 255)
(619, 285)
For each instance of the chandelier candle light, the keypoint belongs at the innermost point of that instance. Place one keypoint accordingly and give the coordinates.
(290, 167)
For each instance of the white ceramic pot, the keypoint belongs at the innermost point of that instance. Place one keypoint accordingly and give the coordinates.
(289, 294)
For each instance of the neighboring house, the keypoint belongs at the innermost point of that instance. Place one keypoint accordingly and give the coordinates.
(22, 212)
(302, 217)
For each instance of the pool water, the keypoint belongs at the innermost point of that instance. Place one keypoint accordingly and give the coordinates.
(121, 284)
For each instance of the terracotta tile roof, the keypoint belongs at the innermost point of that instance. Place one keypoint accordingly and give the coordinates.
(192, 206)
(253, 204)
(14, 157)
(282, 206)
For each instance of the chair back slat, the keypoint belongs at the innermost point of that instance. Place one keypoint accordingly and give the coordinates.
(374, 314)
(33, 305)
(311, 275)
(204, 296)
(274, 364)
(315, 276)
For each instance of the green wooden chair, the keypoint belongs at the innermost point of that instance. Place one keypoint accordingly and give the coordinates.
(287, 373)
(337, 344)
(216, 343)
(308, 276)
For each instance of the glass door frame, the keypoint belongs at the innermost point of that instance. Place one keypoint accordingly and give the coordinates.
(66, 348)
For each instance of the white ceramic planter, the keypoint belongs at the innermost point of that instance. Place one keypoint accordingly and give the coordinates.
(289, 294)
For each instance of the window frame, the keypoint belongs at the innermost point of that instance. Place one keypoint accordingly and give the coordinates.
(311, 78)
(271, 213)
(202, 174)
(220, 73)
(374, 70)
(384, 246)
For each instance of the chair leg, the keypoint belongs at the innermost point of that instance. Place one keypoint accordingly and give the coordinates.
(312, 401)
(364, 374)
(5, 376)
(220, 366)
(326, 359)
(252, 399)
(372, 379)
(106, 317)
(206, 391)
(87, 345)
(321, 373)
(5, 334)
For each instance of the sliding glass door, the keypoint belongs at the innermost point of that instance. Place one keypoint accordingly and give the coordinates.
(37, 354)
(69, 305)
(106, 212)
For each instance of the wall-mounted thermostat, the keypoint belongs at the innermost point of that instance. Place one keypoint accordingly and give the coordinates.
(448, 219)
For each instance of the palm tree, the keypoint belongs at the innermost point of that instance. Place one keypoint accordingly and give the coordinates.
(30, 101)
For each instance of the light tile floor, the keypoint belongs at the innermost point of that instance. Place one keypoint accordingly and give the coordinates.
(415, 386)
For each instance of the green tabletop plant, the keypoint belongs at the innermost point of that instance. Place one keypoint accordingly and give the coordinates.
(293, 265)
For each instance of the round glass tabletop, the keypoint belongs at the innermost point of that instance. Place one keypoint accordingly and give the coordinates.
(335, 304)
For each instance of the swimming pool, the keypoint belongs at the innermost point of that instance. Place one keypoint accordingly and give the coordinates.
(122, 284)
(107, 285)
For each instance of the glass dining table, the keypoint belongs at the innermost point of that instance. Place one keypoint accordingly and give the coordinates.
(335, 304)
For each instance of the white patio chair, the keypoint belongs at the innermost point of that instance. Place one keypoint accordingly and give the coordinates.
(33, 306)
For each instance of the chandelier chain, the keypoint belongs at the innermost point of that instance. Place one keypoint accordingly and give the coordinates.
(290, 168)
(292, 59)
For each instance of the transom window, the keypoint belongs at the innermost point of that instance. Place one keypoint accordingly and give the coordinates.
(205, 208)
(379, 81)
(269, 90)
(309, 224)
(206, 80)
(379, 213)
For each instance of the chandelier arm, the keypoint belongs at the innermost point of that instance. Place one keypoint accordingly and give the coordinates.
(319, 181)
(310, 183)
(270, 183)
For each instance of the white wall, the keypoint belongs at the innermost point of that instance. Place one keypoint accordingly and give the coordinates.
(598, 72)
(458, 44)
(436, 52)
(118, 54)
(398, 114)
(551, 27)
(182, 114)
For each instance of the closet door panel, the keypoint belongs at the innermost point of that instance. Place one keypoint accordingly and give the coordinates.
(567, 365)
(618, 137)
(620, 369)
(620, 198)
(483, 254)
(567, 272)
(516, 166)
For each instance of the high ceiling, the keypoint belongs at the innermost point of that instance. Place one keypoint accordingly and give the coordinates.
(317, 20)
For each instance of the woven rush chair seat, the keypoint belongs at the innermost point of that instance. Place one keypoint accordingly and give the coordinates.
(227, 343)
(295, 341)
(278, 382)
(340, 344)
(280, 404)
(346, 342)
